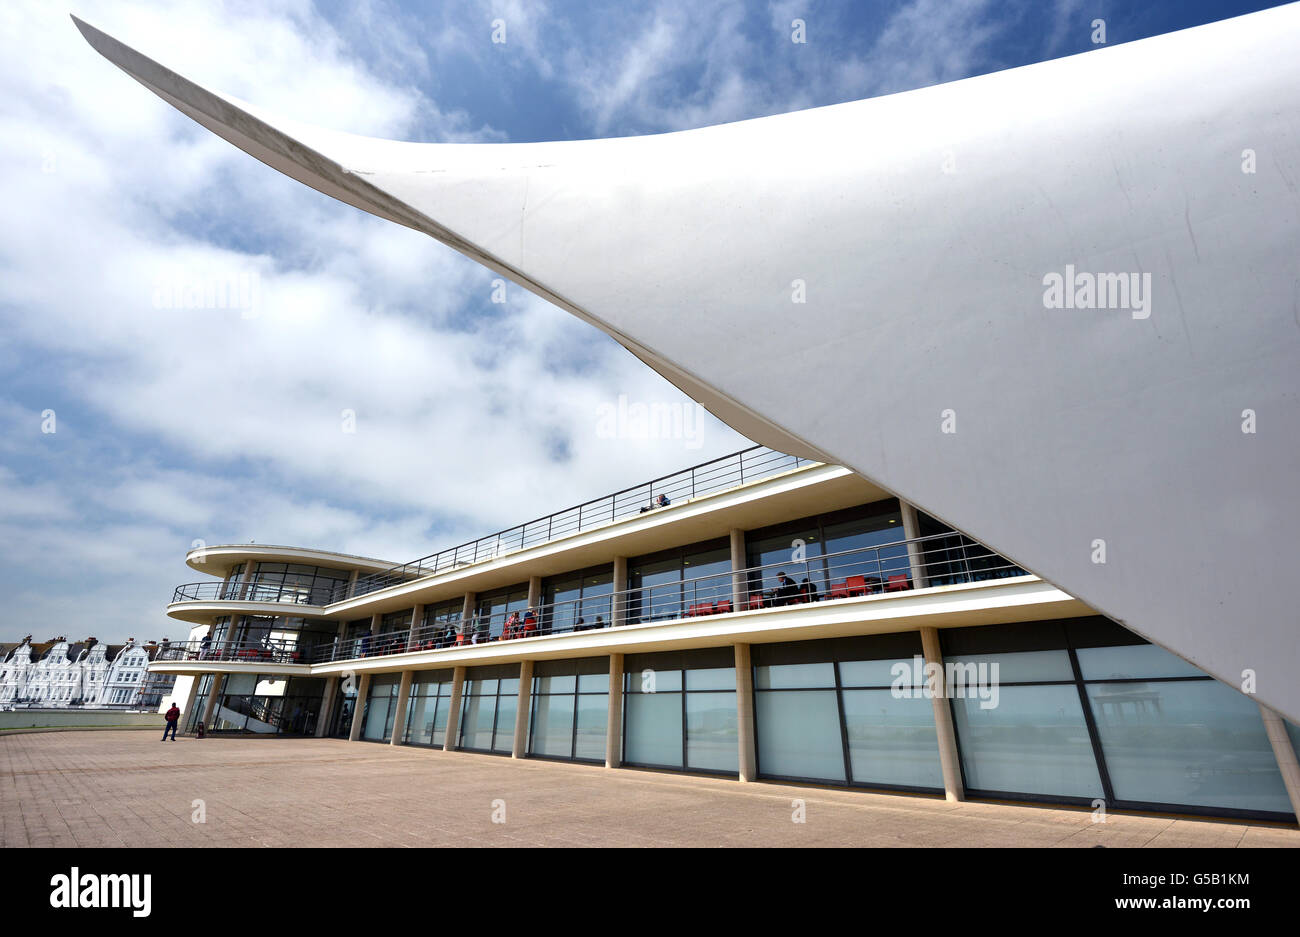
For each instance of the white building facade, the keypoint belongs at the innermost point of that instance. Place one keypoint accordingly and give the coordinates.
(89, 674)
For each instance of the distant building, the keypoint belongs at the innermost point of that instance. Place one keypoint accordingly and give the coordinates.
(83, 674)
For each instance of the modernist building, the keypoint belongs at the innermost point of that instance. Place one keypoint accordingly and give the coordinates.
(773, 619)
(91, 674)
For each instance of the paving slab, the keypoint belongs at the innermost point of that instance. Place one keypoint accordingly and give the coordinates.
(126, 788)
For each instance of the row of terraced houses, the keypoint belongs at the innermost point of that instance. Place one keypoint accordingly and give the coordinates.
(759, 617)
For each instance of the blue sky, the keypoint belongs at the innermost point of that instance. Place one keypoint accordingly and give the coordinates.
(225, 424)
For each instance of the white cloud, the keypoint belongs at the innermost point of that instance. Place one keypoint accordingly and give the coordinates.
(176, 424)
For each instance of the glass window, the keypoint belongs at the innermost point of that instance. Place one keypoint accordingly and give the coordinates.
(1018, 667)
(553, 725)
(798, 734)
(711, 738)
(1186, 742)
(892, 741)
(713, 678)
(1034, 741)
(654, 729)
(1135, 660)
(878, 673)
(589, 729)
(783, 676)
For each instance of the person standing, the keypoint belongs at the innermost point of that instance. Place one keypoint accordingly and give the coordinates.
(173, 716)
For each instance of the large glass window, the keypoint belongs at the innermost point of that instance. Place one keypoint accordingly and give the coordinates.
(1034, 741)
(1085, 710)
(832, 711)
(381, 707)
(265, 705)
(680, 710)
(689, 580)
(287, 582)
(853, 552)
(570, 708)
(489, 700)
(1169, 735)
(428, 708)
(578, 601)
(494, 608)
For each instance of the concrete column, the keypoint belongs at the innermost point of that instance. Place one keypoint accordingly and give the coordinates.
(403, 699)
(327, 705)
(745, 714)
(1285, 754)
(359, 708)
(534, 591)
(352, 582)
(739, 587)
(915, 553)
(614, 725)
(467, 612)
(947, 736)
(520, 748)
(218, 680)
(453, 710)
(376, 622)
(188, 709)
(417, 614)
(618, 605)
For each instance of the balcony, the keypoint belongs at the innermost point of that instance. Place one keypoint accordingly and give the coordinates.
(706, 478)
(244, 652)
(885, 569)
(241, 591)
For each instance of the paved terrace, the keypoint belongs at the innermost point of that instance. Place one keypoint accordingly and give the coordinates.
(125, 788)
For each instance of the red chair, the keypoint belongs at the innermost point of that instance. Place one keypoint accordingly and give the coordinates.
(839, 590)
(856, 585)
(723, 607)
(701, 609)
(755, 602)
(899, 583)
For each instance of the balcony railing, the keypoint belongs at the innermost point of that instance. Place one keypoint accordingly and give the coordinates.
(237, 590)
(708, 477)
(946, 559)
(267, 651)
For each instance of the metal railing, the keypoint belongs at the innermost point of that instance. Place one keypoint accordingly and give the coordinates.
(267, 651)
(240, 590)
(705, 478)
(945, 559)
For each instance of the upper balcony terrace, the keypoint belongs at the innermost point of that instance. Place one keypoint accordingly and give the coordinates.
(730, 471)
(883, 571)
(708, 478)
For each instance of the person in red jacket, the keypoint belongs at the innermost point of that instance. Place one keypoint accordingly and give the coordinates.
(173, 716)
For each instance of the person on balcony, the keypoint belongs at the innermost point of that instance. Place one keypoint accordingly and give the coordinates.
(205, 645)
(511, 629)
(808, 591)
(787, 593)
